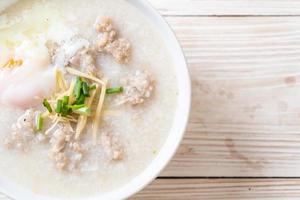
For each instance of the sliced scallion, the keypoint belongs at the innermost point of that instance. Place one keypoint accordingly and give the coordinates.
(59, 106)
(47, 105)
(83, 111)
(85, 89)
(80, 99)
(114, 90)
(65, 109)
(77, 106)
(66, 100)
(78, 87)
(39, 122)
(92, 87)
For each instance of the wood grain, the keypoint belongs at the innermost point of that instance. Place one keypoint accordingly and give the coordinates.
(227, 7)
(221, 189)
(245, 118)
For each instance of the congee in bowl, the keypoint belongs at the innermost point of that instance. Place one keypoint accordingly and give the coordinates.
(88, 93)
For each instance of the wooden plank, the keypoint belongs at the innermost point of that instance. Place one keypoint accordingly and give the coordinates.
(221, 189)
(245, 118)
(227, 7)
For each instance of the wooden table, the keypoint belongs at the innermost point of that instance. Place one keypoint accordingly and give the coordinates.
(243, 137)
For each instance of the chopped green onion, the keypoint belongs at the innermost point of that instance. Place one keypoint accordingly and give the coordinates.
(47, 105)
(77, 106)
(59, 106)
(114, 90)
(39, 122)
(66, 100)
(92, 87)
(65, 112)
(80, 99)
(85, 89)
(65, 109)
(83, 111)
(78, 87)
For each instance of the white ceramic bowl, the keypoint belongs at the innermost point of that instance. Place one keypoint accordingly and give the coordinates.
(176, 132)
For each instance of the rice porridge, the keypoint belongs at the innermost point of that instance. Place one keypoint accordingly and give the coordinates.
(88, 93)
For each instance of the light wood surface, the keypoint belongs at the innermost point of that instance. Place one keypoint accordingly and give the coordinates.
(244, 58)
(221, 189)
(245, 118)
(227, 7)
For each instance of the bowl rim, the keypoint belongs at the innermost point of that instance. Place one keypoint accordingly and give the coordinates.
(175, 135)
